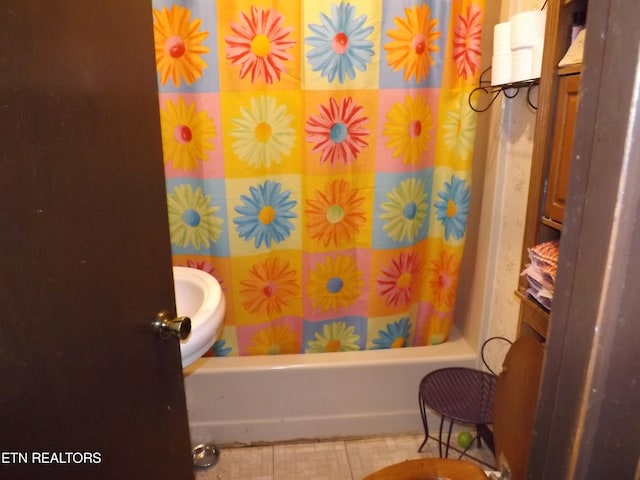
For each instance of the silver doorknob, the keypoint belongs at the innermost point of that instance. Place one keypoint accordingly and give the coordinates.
(165, 326)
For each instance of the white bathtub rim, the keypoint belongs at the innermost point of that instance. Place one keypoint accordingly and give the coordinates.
(456, 348)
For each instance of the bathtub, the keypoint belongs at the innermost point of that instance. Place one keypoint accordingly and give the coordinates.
(236, 401)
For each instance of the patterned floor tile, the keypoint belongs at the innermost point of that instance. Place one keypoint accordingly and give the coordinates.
(317, 461)
(248, 463)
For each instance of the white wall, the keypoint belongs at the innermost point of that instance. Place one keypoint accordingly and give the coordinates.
(487, 304)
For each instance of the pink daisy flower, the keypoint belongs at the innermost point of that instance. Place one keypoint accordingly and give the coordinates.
(206, 267)
(466, 41)
(398, 279)
(338, 132)
(260, 44)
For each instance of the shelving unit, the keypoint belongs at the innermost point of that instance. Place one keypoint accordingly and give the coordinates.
(549, 160)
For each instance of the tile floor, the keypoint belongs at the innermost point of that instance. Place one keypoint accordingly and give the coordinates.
(328, 460)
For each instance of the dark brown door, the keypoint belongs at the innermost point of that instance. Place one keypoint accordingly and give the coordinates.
(87, 390)
(588, 421)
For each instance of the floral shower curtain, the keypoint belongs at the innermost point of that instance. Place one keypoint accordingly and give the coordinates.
(318, 160)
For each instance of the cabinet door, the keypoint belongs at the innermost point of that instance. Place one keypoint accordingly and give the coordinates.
(565, 122)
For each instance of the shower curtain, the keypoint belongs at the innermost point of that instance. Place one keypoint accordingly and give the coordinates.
(317, 157)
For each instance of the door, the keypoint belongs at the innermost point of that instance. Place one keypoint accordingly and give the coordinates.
(588, 420)
(87, 390)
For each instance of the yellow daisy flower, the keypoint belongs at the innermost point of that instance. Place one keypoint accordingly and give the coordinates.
(186, 134)
(438, 329)
(178, 45)
(408, 129)
(405, 211)
(443, 279)
(192, 220)
(335, 337)
(413, 43)
(335, 283)
(460, 129)
(275, 340)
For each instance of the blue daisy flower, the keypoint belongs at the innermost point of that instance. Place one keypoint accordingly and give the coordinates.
(339, 44)
(265, 214)
(396, 335)
(220, 349)
(453, 208)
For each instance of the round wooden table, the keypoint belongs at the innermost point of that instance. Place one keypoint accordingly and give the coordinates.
(430, 469)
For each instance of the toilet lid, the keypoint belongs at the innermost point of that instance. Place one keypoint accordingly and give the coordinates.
(515, 404)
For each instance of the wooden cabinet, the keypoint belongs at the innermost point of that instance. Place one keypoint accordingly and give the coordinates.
(552, 151)
(564, 122)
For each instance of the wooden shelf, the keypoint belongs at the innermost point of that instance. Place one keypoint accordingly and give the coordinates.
(570, 69)
(532, 314)
(525, 297)
(551, 223)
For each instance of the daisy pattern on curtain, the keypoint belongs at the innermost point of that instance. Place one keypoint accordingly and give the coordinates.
(414, 44)
(335, 283)
(395, 336)
(408, 128)
(186, 134)
(398, 279)
(437, 329)
(340, 44)
(270, 286)
(338, 132)
(406, 210)
(178, 45)
(318, 164)
(275, 340)
(206, 266)
(335, 215)
(192, 219)
(265, 213)
(460, 127)
(453, 207)
(335, 337)
(260, 44)
(264, 133)
(443, 278)
(466, 44)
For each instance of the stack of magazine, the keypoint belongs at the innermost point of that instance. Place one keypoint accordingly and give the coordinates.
(541, 272)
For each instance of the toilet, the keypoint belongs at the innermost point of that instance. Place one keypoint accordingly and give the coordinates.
(514, 413)
(199, 297)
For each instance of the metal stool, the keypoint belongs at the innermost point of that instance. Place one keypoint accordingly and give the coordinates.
(464, 395)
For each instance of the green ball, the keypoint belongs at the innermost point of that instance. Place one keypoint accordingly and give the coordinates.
(465, 439)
